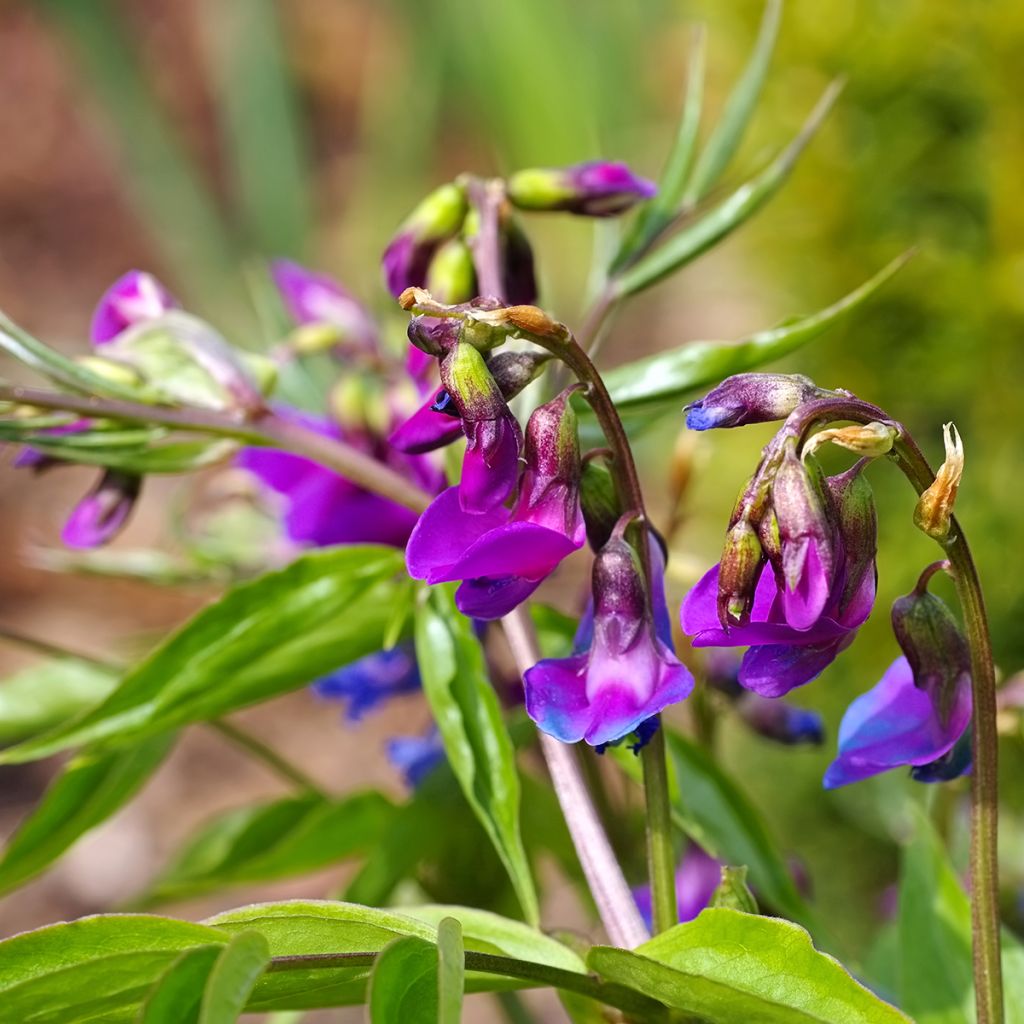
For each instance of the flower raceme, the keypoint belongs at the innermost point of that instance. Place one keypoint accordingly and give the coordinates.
(503, 555)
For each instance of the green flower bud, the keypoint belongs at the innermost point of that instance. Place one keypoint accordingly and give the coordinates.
(451, 276)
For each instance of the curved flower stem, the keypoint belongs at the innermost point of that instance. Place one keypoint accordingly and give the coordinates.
(615, 903)
(984, 736)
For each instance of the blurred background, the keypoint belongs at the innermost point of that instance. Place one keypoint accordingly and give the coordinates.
(196, 140)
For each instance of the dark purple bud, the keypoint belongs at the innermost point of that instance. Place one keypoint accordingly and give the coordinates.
(949, 766)
(597, 188)
(513, 371)
(100, 515)
(807, 564)
(776, 720)
(750, 398)
(857, 524)
(433, 335)
(438, 217)
(131, 299)
(518, 269)
(551, 479)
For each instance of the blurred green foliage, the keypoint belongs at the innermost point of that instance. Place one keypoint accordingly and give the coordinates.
(923, 148)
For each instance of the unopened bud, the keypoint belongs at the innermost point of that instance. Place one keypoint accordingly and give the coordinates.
(868, 439)
(432, 335)
(513, 371)
(600, 501)
(784, 723)
(934, 512)
(451, 276)
(470, 385)
(109, 369)
(857, 524)
(322, 309)
(133, 298)
(309, 339)
(359, 405)
(102, 513)
(750, 398)
(597, 188)
(733, 893)
(518, 271)
(741, 564)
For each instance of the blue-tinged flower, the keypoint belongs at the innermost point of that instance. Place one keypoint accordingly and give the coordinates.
(132, 299)
(371, 681)
(503, 556)
(697, 878)
(416, 756)
(596, 188)
(750, 398)
(624, 670)
(780, 721)
(898, 723)
(103, 512)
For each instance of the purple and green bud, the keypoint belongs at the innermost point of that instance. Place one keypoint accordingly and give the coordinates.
(519, 270)
(597, 188)
(750, 398)
(741, 565)
(857, 526)
(493, 437)
(101, 515)
(436, 219)
(133, 298)
(600, 499)
(451, 276)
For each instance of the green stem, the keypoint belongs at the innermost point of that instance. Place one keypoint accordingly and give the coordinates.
(270, 757)
(661, 865)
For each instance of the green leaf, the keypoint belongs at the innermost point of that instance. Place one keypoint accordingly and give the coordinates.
(934, 928)
(665, 378)
(179, 456)
(476, 740)
(281, 839)
(88, 790)
(94, 969)
(711, 808)
(261, 639)
(233, 978)
(176, 996)
(491, 933)
(403, 985)
(739, 108)
(727, 967)
(451, 971)
(721, 220)
(42, 696)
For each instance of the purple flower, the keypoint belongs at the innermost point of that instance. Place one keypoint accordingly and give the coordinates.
(596, 188)
(697, 878)
(898, 723)
(313, 298)
(371, 681)
(99, 517)
(416, 756)
(625, 671)
(782, 655)
(503, 557)
(750, 398)
(322, 507)
(779, 721)
(131, 299)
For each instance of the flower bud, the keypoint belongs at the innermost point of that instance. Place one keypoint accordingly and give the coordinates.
(600, 501)
(451, 276)
(750, 398)
(132, 299)
(868, 439)
(110, 369)
(733, 893)
(596, 188)
(518, 269)
(433, 335)
(935, 647)
(187, 362)
(742, 560)
(857, 526)
(934, 511)
(807, 562)
(101, 514)
(552, 455)
(437, 218)
(776, 720)
(358, 403)
(513, 371)
(318, 303)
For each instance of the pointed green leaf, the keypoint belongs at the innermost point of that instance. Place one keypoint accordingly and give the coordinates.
(88, 790)
(403, 985)
(738, 110)
(667, 377)
(451, 971)
(233, 978)
(176, 996)
(476, 740)
(262, 639)
(727, 967)
(721, 220)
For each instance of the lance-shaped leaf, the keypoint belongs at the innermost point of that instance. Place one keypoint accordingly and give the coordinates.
(233, 978)
(88, 790)
(727, 967)
(403, 985)
(666, 378)
(451, 971)
(721, 220)
(476, 740)
(275, 840)
(261, 639)
(178, 993)
(739, 108)
(93, 969)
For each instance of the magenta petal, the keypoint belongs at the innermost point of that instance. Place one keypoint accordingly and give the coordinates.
(895, 724)
(442, 535)
(131, 299)
(772, 670)
(862, 600)
(516, 549)
(804, 605)
(490, 468)
(317, 298)
(491, 599)
(426, 430)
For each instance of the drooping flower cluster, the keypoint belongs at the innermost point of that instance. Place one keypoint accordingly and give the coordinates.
(797, 580)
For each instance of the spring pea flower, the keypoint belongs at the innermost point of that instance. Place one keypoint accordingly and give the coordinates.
(624, 670)
(503, 555)
(750, 398)
(697, 877)
(416, 756)
(371, 681)
(595, 188)
(132, 299)
(782, 655)
(101, 515)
